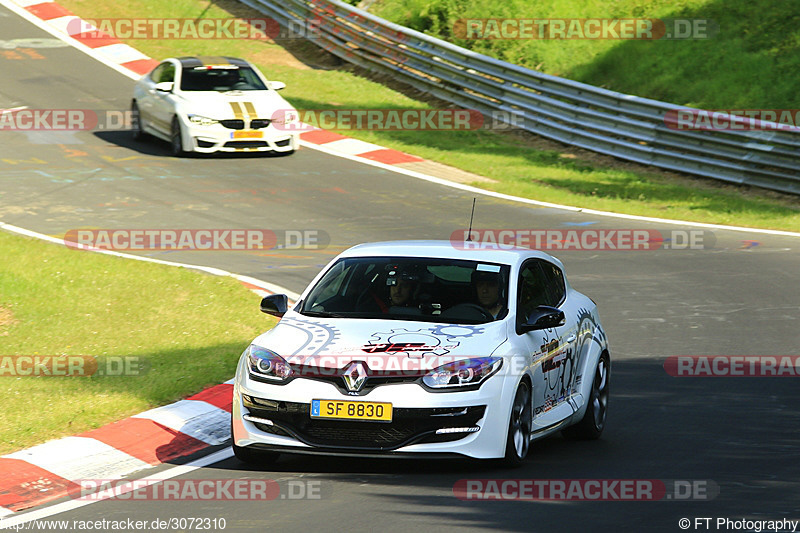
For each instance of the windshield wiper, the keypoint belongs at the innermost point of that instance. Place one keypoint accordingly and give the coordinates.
(323, 314)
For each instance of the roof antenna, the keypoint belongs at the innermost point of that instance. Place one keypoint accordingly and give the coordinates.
(469, 232)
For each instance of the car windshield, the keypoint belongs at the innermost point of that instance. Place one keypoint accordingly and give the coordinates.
(221, 78)
(411, 288)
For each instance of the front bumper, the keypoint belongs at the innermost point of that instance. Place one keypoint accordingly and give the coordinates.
(463, 423)
(217, 138)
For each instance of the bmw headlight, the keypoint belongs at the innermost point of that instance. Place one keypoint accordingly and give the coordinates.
(263, 363)
(464, 373)
(285, 116)
(202, 121)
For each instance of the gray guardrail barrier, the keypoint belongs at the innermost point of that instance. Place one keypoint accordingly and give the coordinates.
(621, 125)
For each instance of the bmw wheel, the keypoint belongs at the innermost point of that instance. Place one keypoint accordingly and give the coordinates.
(594, 421)
(518, 441)
(176, 138)
(136, 123)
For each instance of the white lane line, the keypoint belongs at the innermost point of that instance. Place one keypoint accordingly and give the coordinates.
(475, 190)
(120, 53)
(352, 146)
(175, 471)
(211, 270)
(71, 25)
(13, 109)
(28, 3)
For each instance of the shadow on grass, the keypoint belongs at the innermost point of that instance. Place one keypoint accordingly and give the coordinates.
(751, 62)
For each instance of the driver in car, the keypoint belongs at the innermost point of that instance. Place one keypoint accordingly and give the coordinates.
(487, 287)
(402, 283)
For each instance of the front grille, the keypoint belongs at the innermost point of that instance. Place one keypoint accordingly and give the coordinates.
(408, 425)
(375, 378)
(233, 124)
(245, 144)
(258, 123)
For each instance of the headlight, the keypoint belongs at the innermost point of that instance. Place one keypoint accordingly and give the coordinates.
(463, 373)
(264, 363)
(285, 116)
(202, 121)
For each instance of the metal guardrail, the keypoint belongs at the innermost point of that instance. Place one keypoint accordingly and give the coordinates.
(616, 124)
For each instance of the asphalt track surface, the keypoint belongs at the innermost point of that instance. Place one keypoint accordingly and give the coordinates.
(740, 297)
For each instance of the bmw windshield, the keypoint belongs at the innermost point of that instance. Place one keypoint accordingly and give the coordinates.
(221, 78)
(406, 288)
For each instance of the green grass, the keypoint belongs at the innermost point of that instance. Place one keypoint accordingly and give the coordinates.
(751, 61)
(527, 167)
(188, 328)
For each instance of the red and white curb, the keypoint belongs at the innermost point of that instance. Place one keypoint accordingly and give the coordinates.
(47, 472)
(52, 470)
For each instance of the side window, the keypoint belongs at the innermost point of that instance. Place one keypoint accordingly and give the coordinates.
(532, 289)
(556, 289)
(168, 74)
(156, 74)
(163, 72)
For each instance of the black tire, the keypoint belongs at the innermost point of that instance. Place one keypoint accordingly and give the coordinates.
(594, 421)
(176, 138)
(518, 440)
(136, 123)
(252, 456)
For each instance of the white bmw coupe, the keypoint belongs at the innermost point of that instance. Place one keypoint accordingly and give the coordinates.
(422, 348)
(210, 104)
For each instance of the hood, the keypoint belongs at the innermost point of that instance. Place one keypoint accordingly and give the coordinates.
(234, 104)
(333, 343)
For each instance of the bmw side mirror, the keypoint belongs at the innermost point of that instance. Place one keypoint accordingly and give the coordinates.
(277, 85)
(165, 86)
(543, 317)
(275, 305)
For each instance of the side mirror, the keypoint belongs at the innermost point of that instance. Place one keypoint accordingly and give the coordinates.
(277, 85)
(275, 305)
(543, 317)
(165, 86)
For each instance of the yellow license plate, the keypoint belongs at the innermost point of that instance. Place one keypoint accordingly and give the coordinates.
(344, 410)
(247, 134)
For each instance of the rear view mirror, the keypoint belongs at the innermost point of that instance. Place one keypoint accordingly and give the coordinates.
(275, 305)
(164, 86)
(543, 317)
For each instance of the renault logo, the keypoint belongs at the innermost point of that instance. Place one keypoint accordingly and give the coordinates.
(355, 374)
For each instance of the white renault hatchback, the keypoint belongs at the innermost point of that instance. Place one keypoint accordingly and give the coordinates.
(210, 104)
(423, 348)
